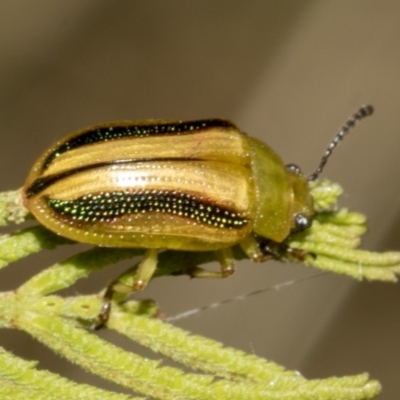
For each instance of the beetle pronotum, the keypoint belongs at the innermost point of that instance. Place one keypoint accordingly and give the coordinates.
(195, 185)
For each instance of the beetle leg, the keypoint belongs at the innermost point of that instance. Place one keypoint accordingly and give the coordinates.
(299, 253)
(273, 249)
(145, 270)
(252, 248)
(267, 249)
(227, 261)
(277, 250)
(144, 273)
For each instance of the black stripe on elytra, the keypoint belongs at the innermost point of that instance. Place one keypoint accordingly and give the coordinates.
(41, 184)
(109, 133)
(107, 207)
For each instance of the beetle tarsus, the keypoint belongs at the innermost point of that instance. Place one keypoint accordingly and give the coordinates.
(105, 311)
(299, 254)
(103, 316)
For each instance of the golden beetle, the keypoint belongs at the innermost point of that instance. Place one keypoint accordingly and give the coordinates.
(194, 185)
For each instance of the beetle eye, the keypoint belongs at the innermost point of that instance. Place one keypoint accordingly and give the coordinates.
(293, 168)
(302, 222)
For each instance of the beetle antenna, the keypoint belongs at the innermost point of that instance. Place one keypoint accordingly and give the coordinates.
(363, 112)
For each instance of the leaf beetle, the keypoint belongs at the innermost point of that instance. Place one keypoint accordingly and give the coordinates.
(184, 185)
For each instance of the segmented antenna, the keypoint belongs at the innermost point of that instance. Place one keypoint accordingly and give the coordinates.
(363, 112)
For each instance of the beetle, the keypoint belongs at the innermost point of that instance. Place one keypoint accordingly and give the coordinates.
(185, 185)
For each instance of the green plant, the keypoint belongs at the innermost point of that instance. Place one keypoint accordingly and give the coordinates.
(63, 324)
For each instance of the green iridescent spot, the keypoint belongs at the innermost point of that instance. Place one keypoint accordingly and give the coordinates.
(107, 206)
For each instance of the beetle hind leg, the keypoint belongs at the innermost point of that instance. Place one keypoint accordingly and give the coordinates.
(125, 284)
(227, 262)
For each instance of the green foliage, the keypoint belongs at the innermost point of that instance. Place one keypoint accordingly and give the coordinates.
(63, 324)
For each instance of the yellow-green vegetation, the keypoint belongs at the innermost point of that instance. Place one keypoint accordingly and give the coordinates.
(219, 372)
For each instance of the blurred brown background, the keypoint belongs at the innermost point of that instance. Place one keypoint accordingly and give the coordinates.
(289, 72)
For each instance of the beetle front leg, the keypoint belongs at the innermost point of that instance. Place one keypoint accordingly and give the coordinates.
(143, 275)
(267, 249)
(226, 260)
(277, 250)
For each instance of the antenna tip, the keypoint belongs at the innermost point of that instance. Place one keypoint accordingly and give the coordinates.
(365, 111)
